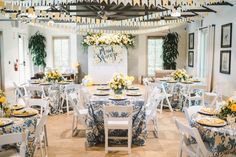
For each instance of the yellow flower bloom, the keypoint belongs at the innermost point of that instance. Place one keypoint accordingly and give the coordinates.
(3, 99)
(233, 107)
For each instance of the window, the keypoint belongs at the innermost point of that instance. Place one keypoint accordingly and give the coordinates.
(202, 72)
(61, 54)
(155, 60)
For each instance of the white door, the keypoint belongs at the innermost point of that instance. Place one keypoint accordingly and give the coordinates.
(23, 62)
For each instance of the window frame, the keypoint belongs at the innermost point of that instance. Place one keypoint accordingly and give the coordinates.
(69, 48)
(150, 37)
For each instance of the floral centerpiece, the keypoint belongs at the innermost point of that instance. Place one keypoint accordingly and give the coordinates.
(180, 75)
(87, 81)
(97, 39)
(118, 83)
(4, 106)
(229, 109)
(53, 76)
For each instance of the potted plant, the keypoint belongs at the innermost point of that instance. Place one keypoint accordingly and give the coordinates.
(170, 50)
(37, 49)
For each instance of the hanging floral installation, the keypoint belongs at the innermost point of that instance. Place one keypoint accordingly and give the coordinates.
(99, 39)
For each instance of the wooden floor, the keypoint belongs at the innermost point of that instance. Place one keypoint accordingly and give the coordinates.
(62, 144)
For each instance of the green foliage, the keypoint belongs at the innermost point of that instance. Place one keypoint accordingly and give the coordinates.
(37, 49)
(170, 50)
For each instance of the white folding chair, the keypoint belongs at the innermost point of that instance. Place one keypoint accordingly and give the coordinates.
(151, 109)
(84, 96)
(79, 113)
(12, 138)
(33, 90)
(190, 95)
(123, 123)
(40, 136)
(43, 104)
(70, 88)
(18, 91)
(190, 111)
(164, 96)
(193, 150)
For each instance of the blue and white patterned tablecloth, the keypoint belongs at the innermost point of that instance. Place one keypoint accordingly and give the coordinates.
(221, 140)
(19, 125)
(95, 122)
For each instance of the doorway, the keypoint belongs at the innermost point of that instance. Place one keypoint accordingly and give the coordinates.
(24, 68)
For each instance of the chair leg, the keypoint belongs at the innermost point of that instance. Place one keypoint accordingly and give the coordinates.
(129, 139)
(106, 141)
(67, 106)
(46, 135)
(155, 124)
(162, 101)
(168, 102)
(45, 145)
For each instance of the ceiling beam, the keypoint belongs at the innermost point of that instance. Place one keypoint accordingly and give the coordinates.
(209, 9)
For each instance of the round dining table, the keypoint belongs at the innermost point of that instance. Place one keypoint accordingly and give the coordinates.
(18, 125)
(221, 140)
(95, 122)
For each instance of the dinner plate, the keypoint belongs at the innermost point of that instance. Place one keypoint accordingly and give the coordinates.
(5, 122)
(133, 88)
(34, 83)
(163, 80)
(207, 111)
(171, 81)
(186, 82)
(212, 122)
(117, 98)
(196, 81)
(101, 94)
(103, 88)
(28, 112)
(133, 94)
(63, 83)
(45, 83)
(17, 107)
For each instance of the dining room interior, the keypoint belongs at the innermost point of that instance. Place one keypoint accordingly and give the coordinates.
(117, 78)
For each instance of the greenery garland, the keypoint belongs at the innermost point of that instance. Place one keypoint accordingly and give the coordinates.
(37, 49)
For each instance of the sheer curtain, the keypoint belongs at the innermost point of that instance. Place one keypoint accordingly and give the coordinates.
(205, 53)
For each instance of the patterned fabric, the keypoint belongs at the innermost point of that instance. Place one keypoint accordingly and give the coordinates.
(19, 125)
(221, 140)
(95, 122)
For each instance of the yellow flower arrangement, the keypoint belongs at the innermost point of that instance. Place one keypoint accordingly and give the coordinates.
(180, 75)
(229, 108)
(53, 76)
(120, 82)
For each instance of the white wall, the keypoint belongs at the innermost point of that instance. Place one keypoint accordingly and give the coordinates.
(10, 51)
(224, 16)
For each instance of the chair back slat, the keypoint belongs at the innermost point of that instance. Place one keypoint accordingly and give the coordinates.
(42, 103)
